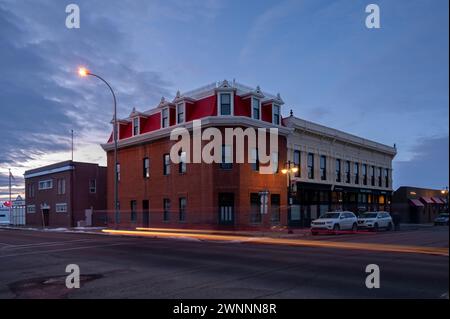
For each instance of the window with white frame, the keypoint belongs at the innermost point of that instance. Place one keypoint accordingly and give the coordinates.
(47, 184)
(61, 208)
(256, 114)
(61, 186)
(135, 126)
(225, 104)
(93, 186)
(165, 118)
(31, 209)
(180, 113)
(276, 114)
(274, 162)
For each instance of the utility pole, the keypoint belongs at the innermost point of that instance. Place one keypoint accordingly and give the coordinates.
(72, 143)
(10, 196)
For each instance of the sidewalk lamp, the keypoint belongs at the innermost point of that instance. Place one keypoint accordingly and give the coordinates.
(289, 169)
(83, 72)
(444, 192)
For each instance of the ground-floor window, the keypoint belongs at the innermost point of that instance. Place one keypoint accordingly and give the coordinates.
(133, 211)
(182, 208)
(166, 209)
(255, 208)
(275, 207)
(226, 208)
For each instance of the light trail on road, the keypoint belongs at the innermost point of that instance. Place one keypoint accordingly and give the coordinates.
(440, 251)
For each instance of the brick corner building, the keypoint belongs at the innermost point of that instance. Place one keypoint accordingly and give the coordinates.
(65, 194)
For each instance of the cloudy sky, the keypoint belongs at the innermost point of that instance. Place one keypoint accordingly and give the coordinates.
(389, 84)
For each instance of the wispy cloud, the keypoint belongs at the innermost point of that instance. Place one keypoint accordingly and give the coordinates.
(264, 23)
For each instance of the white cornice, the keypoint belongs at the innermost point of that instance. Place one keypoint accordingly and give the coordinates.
(219, 121)
(306, 126)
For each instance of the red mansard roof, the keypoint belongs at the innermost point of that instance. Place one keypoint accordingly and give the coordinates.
(201, 103)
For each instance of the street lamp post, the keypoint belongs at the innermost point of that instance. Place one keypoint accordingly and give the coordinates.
(445, 192)
(83, 72)
(288, 170)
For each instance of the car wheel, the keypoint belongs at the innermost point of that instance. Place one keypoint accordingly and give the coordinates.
(389, 228)
(336, 228)
(354, 227)
(375, 227)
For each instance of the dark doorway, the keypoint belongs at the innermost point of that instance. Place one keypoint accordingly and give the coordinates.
(145, 213)
(226, 208)
(46, 217)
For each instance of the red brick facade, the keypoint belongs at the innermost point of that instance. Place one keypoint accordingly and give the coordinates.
(209, 191)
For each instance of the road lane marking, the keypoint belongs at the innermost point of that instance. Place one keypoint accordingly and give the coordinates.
(50, 243)
(292, 242)
(60, 250)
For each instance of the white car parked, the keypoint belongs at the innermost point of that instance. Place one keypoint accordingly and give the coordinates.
(375, 221)
(334, 221)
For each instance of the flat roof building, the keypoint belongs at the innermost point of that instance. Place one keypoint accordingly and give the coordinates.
(64, 194)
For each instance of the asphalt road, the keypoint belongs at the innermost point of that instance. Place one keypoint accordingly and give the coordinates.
(32, 265)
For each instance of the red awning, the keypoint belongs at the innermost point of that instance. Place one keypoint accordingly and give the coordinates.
(437, 200)
(427, 200)
(416, 202)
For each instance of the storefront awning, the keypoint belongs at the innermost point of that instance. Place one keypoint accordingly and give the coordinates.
(437, 200)
(415, 203)
(426, 200)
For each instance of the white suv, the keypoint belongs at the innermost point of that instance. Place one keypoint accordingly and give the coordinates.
(375, 220)
(334, 221)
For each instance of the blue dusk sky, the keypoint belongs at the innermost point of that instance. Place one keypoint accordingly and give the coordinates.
(389, 84)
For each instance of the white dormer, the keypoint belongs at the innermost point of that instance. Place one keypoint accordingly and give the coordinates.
(165, 107)
(225, 99)
(255, 96)
(180, 103)
(276, 103)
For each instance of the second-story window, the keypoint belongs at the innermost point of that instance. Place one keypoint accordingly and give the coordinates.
(386, 177)
(146, 167)
(338, 170)
(347, 172)
(93, 186)
(135, 126)
(180, 113)
(356, 168)
(372, 176)
(30, 190)
(225, 104)
(227, 161)
(380, 173)
(255, 160)
(297, 162)
(166, 164)
(165, 118)
(255, 109)
(310, 165)
(276, 114)
(182, 164)
(48, 184)
(364, 174)
(323, 167)
(61, 186)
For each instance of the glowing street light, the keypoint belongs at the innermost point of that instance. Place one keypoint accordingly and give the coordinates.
(289, 169)
(83, 72)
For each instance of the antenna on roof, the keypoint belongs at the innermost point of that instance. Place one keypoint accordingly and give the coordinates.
(71, 131)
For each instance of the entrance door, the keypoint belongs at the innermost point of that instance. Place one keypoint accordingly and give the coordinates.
(46, 217)
(226, 208)
(145, 213)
